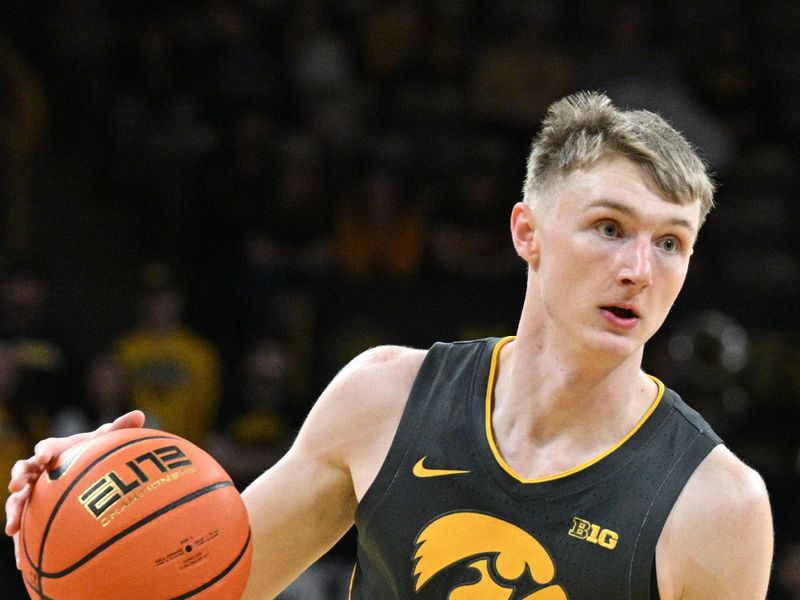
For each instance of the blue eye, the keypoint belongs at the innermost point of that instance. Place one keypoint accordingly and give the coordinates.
(608, 229)
(669, 244)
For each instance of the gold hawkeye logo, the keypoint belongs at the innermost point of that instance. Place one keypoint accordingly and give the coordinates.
(504, 559)
(420, 470)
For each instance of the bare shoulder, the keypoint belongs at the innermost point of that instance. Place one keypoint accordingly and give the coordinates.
(723, 469)
(356, 417)
(718, 540)
(374, 384)
(308, 499)
(392, 366)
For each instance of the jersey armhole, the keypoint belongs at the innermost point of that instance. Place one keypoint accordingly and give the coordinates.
(407, 428)
(654, 595)
(644, 577)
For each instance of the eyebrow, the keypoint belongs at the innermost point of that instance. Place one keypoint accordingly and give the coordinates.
(629, 210)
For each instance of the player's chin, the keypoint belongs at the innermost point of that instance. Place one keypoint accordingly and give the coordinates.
(617, 345)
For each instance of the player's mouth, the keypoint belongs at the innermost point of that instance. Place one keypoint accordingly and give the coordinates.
(620, 315)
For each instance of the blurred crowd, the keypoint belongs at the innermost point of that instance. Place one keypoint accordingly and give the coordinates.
(208, 207)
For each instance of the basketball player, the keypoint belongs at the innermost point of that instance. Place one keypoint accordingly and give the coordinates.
(546, 466)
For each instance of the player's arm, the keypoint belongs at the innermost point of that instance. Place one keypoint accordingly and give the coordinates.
(301, 506)
(717, 543)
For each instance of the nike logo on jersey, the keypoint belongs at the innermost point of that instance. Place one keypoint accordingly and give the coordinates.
(420, 470)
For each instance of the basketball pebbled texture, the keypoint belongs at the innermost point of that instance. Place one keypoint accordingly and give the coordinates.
(135, 514)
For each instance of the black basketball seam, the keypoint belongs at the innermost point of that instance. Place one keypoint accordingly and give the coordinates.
(140, 523)
(38, 565)
(35, 586)
(222, 574)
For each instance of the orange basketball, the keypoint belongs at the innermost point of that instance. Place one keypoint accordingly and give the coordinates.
(135, 514)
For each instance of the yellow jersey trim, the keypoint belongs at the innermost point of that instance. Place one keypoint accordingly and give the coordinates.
(352, 582)
(598, 458)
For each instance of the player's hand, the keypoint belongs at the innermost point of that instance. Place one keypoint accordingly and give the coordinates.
(25, 472)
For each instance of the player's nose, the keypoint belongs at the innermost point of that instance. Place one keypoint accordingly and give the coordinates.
(636, 265)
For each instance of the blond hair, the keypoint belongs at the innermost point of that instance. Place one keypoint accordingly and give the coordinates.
(583, 128)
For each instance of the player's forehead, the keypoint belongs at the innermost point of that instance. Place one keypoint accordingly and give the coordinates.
(617, 183)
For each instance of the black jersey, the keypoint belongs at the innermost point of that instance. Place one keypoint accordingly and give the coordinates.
(447, 519)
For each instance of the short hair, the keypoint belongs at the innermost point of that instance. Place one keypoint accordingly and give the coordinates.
(584, 127)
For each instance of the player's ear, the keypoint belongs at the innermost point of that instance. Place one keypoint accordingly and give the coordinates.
(524, 233)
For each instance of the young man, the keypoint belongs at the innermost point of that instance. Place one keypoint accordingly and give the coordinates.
(546, 466)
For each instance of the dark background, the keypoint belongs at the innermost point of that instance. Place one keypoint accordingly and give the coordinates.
(249, 146)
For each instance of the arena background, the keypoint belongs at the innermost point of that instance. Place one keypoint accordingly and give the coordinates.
(312, 178)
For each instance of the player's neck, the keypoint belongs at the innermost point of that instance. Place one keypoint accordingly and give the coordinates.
(544, 403)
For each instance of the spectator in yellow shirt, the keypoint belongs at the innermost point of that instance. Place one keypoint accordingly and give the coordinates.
(172, 372)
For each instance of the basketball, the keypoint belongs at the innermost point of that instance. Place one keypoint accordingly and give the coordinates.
(135, 514)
